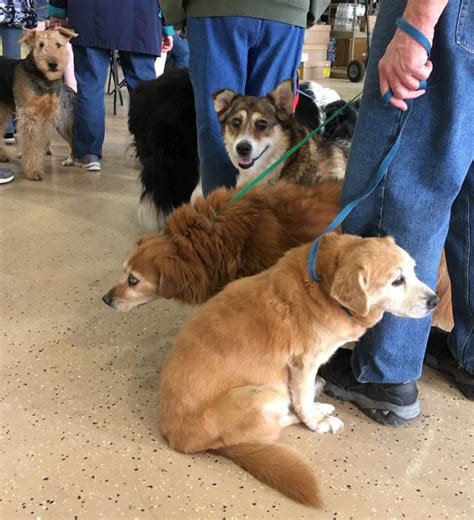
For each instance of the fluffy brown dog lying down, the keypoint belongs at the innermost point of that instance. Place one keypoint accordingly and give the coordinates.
(199, 253)
(244, 366)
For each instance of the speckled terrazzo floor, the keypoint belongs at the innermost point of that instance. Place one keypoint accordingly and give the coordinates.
(79, 399)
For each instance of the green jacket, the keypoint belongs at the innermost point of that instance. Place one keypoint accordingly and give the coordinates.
(294, 12)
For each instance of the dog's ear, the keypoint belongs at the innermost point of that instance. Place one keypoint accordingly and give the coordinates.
(282, 97)
(28, 36)
(168, 287)
(69, 34)
(222, 101)
(349, 288)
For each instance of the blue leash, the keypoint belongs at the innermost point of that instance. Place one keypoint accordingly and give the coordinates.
(382, 169)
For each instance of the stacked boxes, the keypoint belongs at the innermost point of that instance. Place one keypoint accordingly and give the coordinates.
(315, 49)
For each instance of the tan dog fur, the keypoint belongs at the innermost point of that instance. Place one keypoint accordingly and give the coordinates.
(37, 96)
(244, 366)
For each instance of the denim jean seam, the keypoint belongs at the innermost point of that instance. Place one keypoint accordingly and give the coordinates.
(383, 185)
(467, 259)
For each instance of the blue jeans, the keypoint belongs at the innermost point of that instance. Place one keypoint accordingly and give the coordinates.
(11, 49)
(427, 198)
(178, 57)
(247, 55)
(91, 66)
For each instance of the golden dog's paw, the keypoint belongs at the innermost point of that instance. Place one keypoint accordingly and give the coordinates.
(4, 156)
(329, 424)
(321, 420)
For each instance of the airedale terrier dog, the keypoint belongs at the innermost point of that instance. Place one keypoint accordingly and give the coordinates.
(32, 87)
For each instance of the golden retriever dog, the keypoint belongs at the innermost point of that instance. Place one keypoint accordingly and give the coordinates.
(244, 366)
(206, 246)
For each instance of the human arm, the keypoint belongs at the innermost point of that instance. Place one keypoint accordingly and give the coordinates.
(405, 62)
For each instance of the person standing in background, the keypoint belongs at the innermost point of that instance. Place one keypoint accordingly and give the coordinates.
(15, 15)
(133, 27)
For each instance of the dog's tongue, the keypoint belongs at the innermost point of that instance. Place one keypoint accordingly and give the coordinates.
(245, 160)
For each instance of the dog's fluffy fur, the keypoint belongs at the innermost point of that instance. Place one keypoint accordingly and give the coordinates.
(205, 246)
(32, 87)
(162, 120)
(244, 366)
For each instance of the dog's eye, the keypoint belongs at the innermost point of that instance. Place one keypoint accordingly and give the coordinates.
(58, 45)
(41, 45)
(261, 125)
(235, 122)
(132, 280)
(399, 281)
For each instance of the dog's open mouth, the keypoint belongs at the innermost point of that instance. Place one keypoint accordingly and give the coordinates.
(247, 162)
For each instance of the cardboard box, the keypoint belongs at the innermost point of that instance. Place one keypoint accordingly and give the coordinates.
(317, 34)
(316, 53)
(319, 71)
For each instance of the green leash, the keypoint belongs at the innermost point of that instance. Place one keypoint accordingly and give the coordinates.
(290, 152)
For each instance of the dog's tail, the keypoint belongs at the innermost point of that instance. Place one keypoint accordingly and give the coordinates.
(278, 466)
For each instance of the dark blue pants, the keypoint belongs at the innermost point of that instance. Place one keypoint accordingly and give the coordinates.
(427, 198)
(178, 57)
(248, 55)
(91, 66)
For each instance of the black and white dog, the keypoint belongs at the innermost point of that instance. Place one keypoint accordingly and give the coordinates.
(162, 120)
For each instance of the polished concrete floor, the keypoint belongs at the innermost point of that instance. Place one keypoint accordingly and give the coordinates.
(79, 399)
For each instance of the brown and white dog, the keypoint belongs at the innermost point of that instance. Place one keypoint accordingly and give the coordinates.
(258, 130)
(244, 366)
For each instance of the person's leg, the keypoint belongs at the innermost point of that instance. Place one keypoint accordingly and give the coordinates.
(137, 67)
(275, 57)
(454, 353)
(91, 66)
(11, 49)
(414, 202)
(180, 53)
(218, 49)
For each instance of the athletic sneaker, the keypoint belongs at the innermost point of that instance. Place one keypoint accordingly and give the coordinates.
(439, 357)
(6, 175)
(90, 163)
(9, 138)
(388, 404)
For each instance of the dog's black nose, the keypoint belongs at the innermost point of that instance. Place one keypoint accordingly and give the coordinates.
(432, 301)
(107, 298)
(244, 148)
(52, 65)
